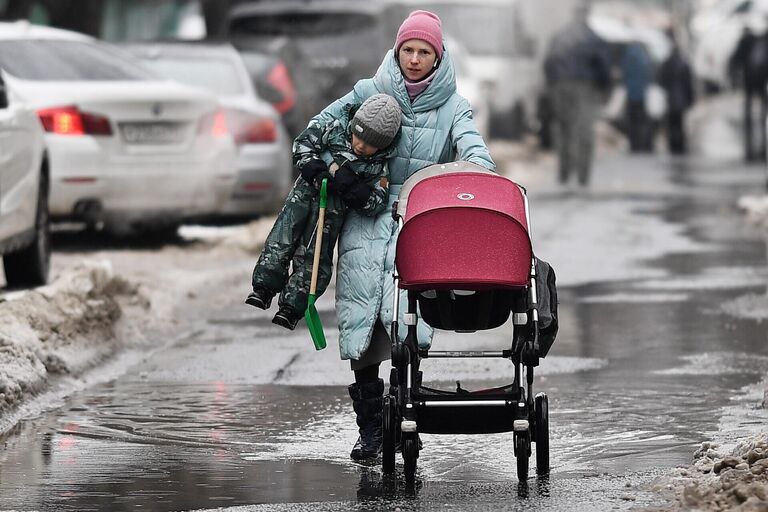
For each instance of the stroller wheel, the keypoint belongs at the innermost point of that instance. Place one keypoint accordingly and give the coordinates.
(541, 408)
(389, 435)
(410, 454)
(523, 453)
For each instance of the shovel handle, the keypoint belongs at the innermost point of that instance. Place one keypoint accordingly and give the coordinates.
(319, 236)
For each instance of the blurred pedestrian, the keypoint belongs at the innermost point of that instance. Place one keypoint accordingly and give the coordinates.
(437, 127)
(637, 76)
(351, 150)
(545, 119)
(676, 78)
(749, 62)
(577, 71)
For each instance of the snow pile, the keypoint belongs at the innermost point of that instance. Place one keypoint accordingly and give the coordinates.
(248, 238)
(756, 209)
(63, 328)
(715, 482)
(716, 127)
(751, 305)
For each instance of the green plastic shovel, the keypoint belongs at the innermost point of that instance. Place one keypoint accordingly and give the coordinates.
(311, 315)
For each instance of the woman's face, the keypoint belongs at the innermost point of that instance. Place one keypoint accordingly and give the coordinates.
(416, 58)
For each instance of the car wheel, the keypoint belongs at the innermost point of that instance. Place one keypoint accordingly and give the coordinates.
(166, 233)
(29, 266)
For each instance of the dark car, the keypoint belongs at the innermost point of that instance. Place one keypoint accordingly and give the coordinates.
(274, 82)
(328, 45)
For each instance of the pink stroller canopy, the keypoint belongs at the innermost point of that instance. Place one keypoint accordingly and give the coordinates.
(464, 228)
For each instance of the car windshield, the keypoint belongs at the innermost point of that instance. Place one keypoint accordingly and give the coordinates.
(303, 24)
(68, 61)
(257, 63)
(216, 75)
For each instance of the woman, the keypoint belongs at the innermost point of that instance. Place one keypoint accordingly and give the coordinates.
(437, 127)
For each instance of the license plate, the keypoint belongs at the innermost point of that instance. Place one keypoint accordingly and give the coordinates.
(152, 133)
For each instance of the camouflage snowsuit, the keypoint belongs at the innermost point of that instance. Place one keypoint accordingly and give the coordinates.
(292, 238)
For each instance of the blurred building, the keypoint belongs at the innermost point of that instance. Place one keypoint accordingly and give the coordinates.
(141, 20)
(123, 20)
(152, 19)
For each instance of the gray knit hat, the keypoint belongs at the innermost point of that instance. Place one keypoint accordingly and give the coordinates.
(377, 120)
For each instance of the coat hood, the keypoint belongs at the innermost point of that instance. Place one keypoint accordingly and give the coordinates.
(389, 79)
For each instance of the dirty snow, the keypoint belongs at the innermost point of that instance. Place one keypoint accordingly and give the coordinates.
(62, 329)
(90, 312)
(248, 238)
(719, 480)
(730, 472)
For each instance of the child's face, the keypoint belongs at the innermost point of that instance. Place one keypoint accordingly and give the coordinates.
(362, 148)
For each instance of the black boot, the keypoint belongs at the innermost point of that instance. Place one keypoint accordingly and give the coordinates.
(259, 298)
(367, 403)
(287, 317)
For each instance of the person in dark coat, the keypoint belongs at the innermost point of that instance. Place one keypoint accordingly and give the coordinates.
(637, 75)
(749, 64)
(577, 72)
(677, 80)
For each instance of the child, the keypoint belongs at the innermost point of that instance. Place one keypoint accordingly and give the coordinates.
(357, 152)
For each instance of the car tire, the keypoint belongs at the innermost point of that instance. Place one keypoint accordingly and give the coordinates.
(29, 266)
(167, 233)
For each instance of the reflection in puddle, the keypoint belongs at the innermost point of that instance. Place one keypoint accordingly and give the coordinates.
(640, 298)
(187, 446)
(642, 373)
(711, 278)
(720, 363)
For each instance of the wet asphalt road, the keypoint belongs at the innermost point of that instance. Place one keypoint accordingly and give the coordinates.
(647, 365)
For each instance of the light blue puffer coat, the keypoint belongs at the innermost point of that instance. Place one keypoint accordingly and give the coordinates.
(436, 128)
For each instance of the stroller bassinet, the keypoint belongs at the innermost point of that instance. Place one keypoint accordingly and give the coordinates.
(464, 256)
(464, 245)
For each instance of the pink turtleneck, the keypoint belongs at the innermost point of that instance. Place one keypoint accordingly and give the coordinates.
(416, 88)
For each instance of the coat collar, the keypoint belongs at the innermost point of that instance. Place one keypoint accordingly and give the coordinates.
(389, 79)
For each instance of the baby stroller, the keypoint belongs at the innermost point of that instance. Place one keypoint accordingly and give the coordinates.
(464, 256)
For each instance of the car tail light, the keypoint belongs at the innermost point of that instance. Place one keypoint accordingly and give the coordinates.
(280, 79)
(220, 124)
(70, 120)
(214, 124)
(263, 130)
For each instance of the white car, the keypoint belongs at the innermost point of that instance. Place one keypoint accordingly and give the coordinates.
(24, 235)
(716, 32)
(264, 167)
(127, 149)
(468, 86)
(618, 34)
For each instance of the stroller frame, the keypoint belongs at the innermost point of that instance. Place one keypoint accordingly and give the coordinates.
(410, 408)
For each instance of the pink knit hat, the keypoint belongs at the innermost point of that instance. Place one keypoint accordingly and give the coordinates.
(422, 25)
